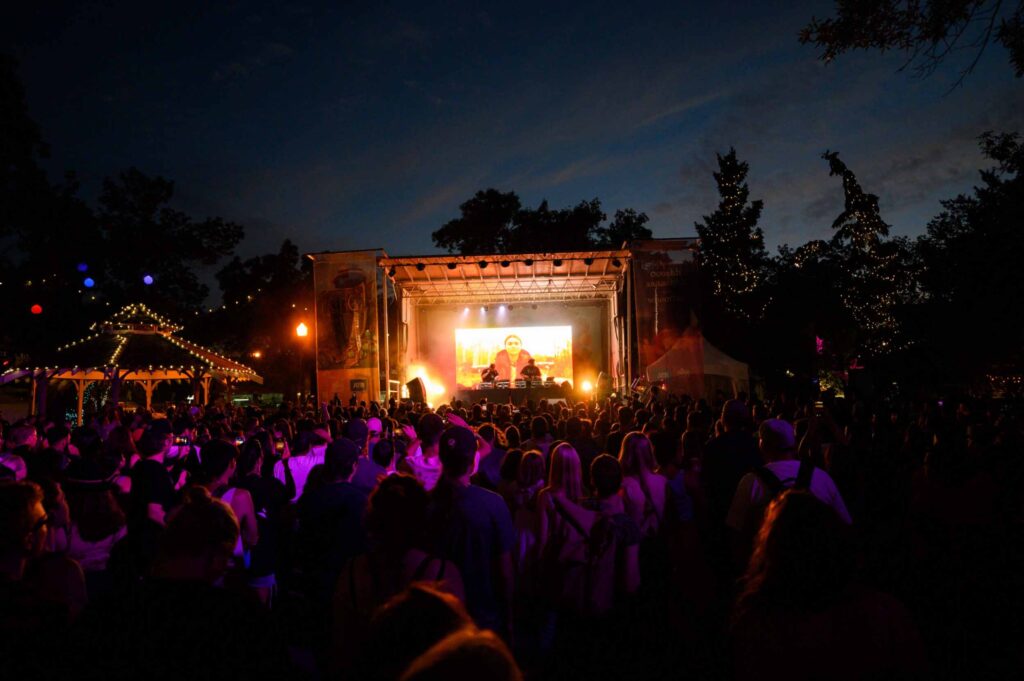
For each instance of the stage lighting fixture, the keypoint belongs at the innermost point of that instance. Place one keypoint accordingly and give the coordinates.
(505, 263)
(528, 262)
(452, 266)
(557, 263)
(483, 309)
(501, 308)
(465, 311)
(482, 264)
(616, 263)
(588, 261)
(420, 266)
(533, 307)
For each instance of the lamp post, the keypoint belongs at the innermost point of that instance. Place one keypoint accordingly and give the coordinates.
(301, 332)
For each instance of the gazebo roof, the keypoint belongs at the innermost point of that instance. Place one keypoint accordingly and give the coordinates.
(140, 344)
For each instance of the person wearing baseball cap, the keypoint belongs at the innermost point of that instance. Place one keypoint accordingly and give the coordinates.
(472, 527)
(423, 447)
(374, 431)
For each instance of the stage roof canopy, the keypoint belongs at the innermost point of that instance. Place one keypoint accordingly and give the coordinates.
(511, 278)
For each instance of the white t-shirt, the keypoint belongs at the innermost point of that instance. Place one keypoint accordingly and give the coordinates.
(750, 492)
(92, 556)
(15, 463)
(426, 470)
(300, 467)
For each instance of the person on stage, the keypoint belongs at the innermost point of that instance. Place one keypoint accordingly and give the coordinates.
(531, 372)
(489, 374)
(511, 361)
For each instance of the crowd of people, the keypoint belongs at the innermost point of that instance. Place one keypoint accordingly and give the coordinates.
(662, 537)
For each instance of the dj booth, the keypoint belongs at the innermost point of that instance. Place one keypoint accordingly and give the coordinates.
(503, 392)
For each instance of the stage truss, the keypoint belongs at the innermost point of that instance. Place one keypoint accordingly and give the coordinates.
(520, 278)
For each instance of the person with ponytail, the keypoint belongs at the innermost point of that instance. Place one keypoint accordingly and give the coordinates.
(219, 462)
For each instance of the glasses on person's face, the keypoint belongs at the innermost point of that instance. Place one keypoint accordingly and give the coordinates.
(513, 344)
(44, 521)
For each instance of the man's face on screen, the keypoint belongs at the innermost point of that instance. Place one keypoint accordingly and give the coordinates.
(513, 345)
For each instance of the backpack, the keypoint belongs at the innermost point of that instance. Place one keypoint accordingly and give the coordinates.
(571, 566)
(774, 486)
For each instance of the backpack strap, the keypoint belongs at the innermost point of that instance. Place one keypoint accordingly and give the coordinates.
(804, 475)
(421, 569)
(773, 486)
(562, 511)
(650, 500)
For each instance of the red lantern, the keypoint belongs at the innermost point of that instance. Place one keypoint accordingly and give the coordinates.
(37, 309)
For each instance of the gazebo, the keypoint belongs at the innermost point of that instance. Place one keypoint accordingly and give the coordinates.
(136, 345)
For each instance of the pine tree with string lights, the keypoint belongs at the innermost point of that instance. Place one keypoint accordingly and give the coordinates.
(870, 264)
(732, 245)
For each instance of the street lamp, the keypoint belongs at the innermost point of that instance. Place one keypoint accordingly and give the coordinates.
(302, 331)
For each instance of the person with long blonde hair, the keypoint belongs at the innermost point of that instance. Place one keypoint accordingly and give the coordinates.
(564, 537)
(644, 491)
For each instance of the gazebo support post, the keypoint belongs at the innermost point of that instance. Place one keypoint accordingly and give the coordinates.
(148, 386)
(40, 394)
(32, 404)
(206, 390)
(80, 388)
(115, 387)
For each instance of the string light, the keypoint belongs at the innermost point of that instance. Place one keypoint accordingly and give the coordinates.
(137, 319)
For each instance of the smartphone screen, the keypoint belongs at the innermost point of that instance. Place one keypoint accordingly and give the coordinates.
(279, 445)
(239, 441)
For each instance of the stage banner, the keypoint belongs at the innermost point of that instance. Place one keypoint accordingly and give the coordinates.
(669, 341)
(347, 357)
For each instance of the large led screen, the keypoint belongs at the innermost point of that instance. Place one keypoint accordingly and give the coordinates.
(510, 348)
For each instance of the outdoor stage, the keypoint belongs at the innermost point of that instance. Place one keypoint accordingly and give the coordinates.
(444, 319)
(382, 321)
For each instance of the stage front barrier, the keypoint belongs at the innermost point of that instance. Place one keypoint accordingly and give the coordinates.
(514, 396)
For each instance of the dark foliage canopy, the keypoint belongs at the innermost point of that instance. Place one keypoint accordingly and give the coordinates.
(496, 222)
(927, 31)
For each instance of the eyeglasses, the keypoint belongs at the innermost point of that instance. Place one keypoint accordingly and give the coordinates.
(44, 521)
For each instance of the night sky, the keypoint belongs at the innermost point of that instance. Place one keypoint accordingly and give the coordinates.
(365, 125)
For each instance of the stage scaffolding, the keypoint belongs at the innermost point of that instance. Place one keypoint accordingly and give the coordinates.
(436, 280)
(521, 278)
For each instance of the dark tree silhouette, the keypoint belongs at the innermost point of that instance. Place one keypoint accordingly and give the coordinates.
(869, 264)
(495, 222)
(972, 320)
(732, 250)
(144, 236)
(627, 225)
(927, 32)
(484, 225)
